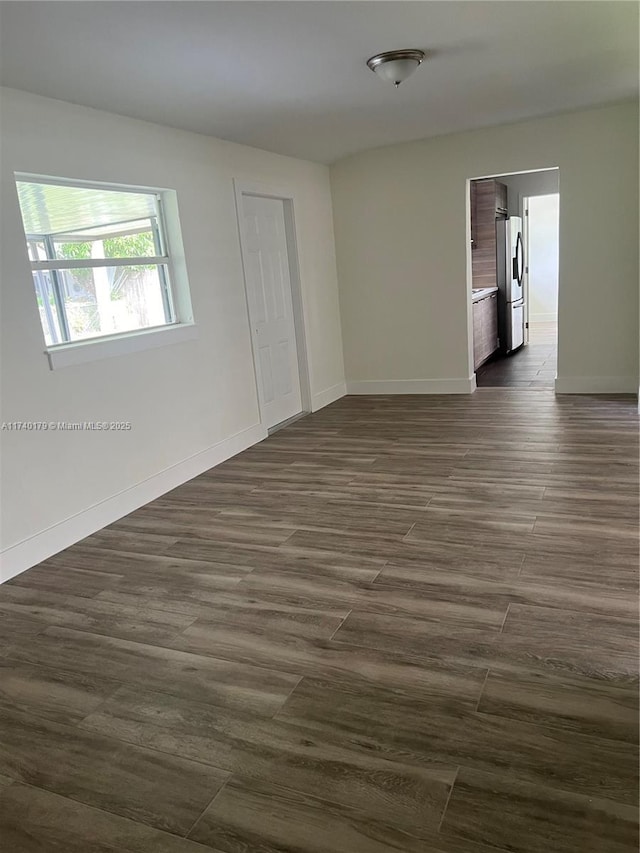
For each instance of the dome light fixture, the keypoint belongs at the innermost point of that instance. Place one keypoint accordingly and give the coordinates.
(396, 65)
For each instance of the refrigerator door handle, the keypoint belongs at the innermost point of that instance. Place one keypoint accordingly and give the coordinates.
(518, 261)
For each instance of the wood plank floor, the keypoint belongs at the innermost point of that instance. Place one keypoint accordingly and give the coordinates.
(531, 366)
(400, 624)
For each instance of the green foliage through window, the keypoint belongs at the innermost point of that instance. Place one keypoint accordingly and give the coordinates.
(128, 246)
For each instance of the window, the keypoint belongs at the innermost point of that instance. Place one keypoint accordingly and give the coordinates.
(99, 259)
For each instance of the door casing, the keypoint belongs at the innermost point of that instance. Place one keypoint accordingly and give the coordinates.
(525, 289)
(253, 188)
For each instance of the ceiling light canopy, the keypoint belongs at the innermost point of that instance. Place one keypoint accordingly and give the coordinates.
(396, 65)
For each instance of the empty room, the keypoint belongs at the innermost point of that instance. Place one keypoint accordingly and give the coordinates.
(319, 430)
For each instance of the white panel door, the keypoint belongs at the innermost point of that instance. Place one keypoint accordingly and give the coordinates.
(267, 276)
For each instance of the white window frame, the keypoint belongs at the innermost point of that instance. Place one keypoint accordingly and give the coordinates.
(181, 326)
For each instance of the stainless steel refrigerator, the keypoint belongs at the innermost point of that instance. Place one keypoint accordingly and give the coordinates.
(510, 274)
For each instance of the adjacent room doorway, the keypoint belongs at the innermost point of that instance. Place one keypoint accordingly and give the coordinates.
(526, 204)
(541, 225)
(274, 304)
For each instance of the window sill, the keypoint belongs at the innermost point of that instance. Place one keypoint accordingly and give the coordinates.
(66, 355)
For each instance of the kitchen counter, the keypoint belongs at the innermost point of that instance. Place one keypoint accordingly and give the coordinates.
(481, 292)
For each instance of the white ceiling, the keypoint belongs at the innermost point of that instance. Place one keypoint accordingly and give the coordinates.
(291, 76)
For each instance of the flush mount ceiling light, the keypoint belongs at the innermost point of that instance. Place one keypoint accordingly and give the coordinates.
(396, 65)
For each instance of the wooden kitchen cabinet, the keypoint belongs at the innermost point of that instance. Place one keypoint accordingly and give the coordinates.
(501, 198)
(488, 203)
(473, 209)
(485, 328)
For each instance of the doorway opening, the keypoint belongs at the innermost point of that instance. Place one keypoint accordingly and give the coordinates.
(513, 272)
(274, 303)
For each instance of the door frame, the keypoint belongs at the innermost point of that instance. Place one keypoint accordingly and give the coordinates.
(524, 209)
(288, 199)
(469, 263)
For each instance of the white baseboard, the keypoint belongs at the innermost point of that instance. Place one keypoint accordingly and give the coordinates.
(20, 557)
(542, 318)
(329, 395)
(596, 385)
(411, 386)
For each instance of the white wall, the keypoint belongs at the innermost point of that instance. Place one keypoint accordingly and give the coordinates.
(400, 218)
(543, 257)
(191, 401)
(529, 184)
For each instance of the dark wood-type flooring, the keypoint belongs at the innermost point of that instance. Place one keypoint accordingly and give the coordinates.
(400, 624)
(532, 366)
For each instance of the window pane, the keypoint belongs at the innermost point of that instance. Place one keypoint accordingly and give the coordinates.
(90, 225)
(47, 308)
(53, 209)
(109, 300)
(37, 251)
(129, 240)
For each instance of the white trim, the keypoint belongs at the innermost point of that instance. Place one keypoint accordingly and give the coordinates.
(20, 557)
(543, 318)
(32, 177)
(297, 298)
(94, 349)
(289, 199)
(596, 384)
(469, 276)
(411, 386)
(90, 263)
(329, 395)
(523, 213)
